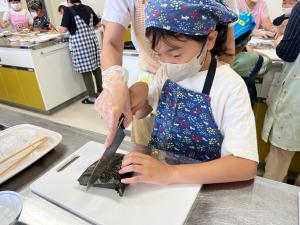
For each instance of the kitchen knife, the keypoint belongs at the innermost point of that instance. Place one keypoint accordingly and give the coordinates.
(108, 154)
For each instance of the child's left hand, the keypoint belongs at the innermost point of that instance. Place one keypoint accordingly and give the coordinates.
(149, 170)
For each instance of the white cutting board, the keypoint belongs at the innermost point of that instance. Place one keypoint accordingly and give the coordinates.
(141, 204)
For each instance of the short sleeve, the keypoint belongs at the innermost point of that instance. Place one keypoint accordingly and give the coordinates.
(66, 20)
(6, 16)
(238, 125)
(264, 12)
(117, 11)
(95, 18)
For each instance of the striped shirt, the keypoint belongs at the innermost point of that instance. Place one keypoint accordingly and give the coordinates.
(289, 48)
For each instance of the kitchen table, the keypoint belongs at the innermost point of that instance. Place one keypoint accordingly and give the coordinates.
(255, 202)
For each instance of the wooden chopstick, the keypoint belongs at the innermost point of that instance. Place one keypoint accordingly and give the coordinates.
(23, 149)
(34, 146)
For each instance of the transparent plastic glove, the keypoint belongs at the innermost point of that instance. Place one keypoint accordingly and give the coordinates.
(114, 100)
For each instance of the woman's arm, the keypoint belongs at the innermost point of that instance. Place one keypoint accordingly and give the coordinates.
(113, 44)
(268, 25)
(63, 30)
(289, 47)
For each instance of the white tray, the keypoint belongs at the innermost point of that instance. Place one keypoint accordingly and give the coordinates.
(17, 137)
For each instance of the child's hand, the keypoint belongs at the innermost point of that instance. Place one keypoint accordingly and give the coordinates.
(149, 170)
(138, 96)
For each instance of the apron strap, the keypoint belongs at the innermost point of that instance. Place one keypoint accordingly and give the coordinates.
(210, 76)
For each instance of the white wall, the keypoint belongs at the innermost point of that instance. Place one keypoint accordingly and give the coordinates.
(275, 8)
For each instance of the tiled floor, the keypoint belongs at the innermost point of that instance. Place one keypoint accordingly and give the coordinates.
(76, 115)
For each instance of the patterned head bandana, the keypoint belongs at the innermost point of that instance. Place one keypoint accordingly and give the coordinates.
(192, 17)
(35, 5)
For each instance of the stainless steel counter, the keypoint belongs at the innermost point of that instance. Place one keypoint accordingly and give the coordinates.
(257, 202)
(5, 43)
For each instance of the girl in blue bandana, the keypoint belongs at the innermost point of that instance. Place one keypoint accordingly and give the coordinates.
(203, 108)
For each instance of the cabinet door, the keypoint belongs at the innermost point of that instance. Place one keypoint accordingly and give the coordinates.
(31, 89)
(12, 86)
(3, 93)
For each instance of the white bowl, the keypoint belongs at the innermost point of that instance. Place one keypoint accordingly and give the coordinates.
(11, 206)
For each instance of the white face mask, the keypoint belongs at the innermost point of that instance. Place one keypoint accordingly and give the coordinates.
(16, 6)
(33, 14)
(287, 11)
(179, 72)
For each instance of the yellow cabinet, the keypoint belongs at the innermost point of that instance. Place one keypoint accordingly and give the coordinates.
(20, 87)
(12, 85)
(3, 93)
(31, 90)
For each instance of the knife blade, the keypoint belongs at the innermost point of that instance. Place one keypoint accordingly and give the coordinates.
(108, 154)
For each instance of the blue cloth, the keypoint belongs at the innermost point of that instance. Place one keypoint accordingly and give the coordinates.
(185, 126)
(192, 17)
(243, 29)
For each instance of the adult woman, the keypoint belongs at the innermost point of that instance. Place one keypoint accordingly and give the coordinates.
(18, 17)
(259, 10)
(115, 98)
(80, 21)
(282, 121)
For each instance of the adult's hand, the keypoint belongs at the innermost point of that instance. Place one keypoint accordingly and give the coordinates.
(114, 101)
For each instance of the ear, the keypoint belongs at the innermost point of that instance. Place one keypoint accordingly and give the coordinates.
(211, 40)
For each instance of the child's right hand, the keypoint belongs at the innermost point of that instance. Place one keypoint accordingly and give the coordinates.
(138, 96)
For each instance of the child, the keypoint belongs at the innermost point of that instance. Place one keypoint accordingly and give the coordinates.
(248, 64)
(203, 109)
(40, 21)
(17, 17)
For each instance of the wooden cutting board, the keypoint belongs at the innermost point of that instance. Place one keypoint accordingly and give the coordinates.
(141, 204)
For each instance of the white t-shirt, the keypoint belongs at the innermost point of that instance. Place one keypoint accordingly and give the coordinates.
(122, 12)
(6, 16)
(230, 105)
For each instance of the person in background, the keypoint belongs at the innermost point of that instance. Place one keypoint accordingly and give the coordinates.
(18, 17)
(114, 100)
(282, 120)
(41, 22)
(281, 21)
(61, 8)
(259, 10)
(248, 64)
(203, 109)
(80, 21)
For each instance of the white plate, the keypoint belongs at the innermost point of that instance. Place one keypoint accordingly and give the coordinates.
(11, 205)
(17, 137)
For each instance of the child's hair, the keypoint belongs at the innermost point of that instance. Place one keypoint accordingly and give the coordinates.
(61, 7)
(158, 34)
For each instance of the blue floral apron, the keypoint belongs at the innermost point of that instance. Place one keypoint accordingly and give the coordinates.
(184, 124)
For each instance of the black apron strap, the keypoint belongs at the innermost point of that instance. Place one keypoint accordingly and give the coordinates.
(210, 76)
